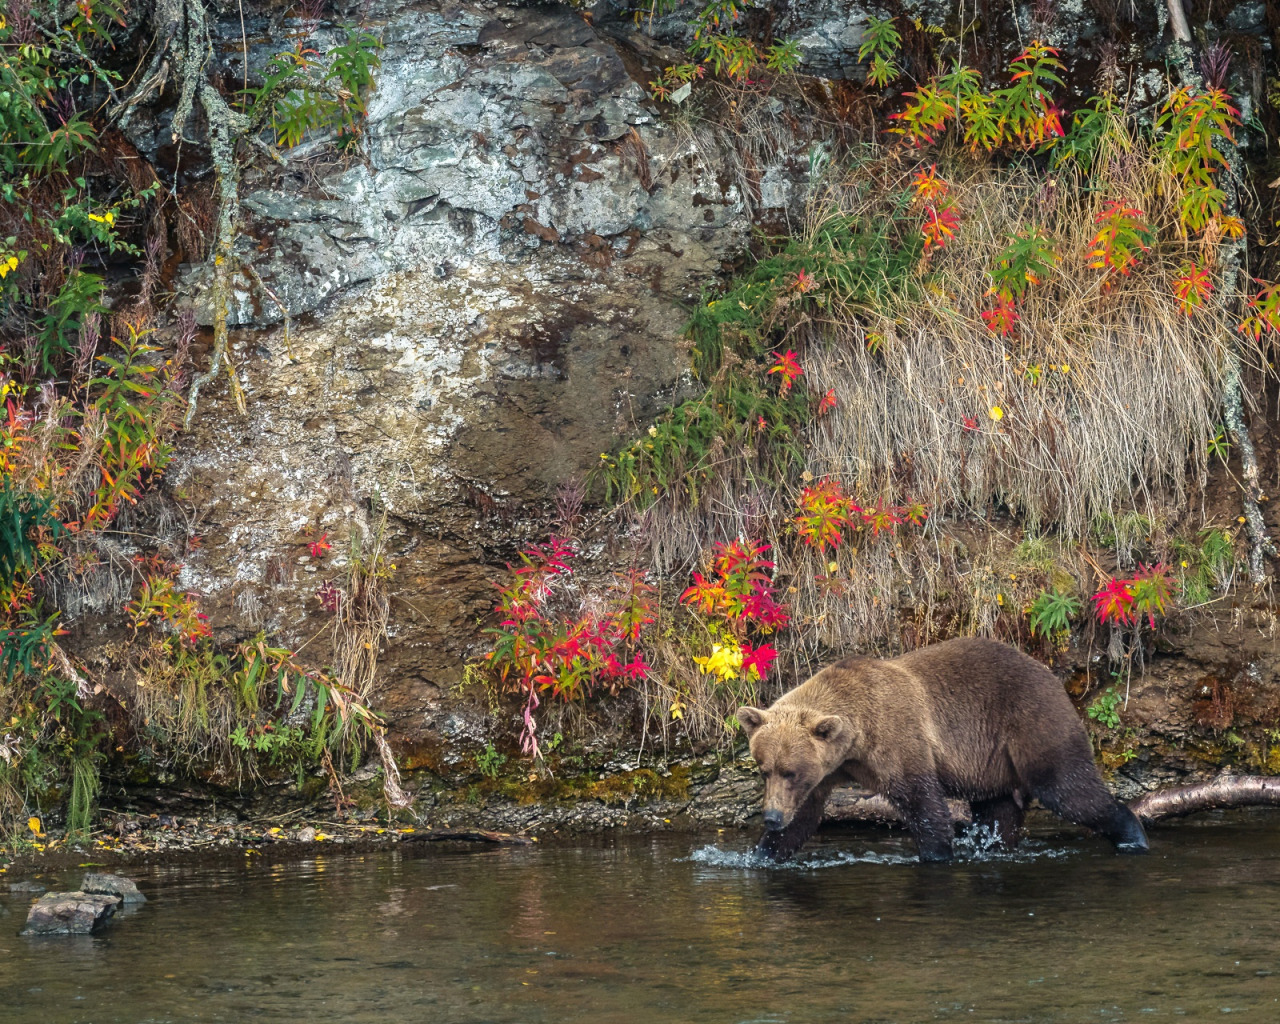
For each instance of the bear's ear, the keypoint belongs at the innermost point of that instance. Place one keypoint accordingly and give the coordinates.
(827, 729)
(751, 719)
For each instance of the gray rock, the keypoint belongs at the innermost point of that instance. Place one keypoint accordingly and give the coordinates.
(69, 913)
(27, 886)
(113, 885)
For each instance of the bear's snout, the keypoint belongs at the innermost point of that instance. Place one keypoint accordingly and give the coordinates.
(773, 820)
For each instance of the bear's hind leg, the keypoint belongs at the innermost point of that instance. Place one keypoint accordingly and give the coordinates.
(1087, 801)
(783, 843)
(1002, 815)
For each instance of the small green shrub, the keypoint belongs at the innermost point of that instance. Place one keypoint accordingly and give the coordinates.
(1052, 611)
(490, 761)
(1105, 708)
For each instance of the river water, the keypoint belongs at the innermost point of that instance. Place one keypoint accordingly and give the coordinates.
(683, 929)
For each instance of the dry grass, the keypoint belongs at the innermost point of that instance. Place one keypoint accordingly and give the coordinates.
(1124, 427)
(1090, 424)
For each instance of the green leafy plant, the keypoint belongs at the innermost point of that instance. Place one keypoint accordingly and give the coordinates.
(1123, 236)
(1051, 612)
(490, 761)
(1027, 260)
(1192, 124)
(1026, 105)
(1105, 709)
(881, 42)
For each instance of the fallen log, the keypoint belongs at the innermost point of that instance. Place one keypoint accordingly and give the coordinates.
(1227, 791)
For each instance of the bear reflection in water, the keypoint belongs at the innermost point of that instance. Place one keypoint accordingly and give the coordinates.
(969, 719)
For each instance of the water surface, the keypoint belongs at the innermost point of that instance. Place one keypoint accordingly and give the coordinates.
(683, 929)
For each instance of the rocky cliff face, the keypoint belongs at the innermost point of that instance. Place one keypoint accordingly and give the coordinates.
(478, 304)
(483, 302)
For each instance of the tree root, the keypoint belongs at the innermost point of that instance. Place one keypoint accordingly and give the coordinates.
(1227, 791)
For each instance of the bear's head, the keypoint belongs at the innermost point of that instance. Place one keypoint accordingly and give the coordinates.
(796, 748)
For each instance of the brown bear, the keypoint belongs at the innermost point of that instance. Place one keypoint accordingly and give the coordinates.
(971, 719)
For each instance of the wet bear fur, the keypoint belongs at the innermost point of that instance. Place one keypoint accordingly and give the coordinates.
(971, 719)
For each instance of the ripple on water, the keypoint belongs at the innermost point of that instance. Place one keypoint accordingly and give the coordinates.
(974, 845)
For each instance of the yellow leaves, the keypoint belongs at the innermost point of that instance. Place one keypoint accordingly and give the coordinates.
(36, 826)
(8, 264)
(677, 709)
(107, 218)
(1232, 227)
(724, 663)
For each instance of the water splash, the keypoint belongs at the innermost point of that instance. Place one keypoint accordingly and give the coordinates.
(975, 844)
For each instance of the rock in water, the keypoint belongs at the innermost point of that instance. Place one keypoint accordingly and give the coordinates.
(69, 913)
(34, 888)
(113, 885)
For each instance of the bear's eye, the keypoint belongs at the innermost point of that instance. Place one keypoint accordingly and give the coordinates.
(789, 776)
(765, 773)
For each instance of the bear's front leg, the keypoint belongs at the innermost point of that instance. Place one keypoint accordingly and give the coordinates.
(924, 811)
(783, 843)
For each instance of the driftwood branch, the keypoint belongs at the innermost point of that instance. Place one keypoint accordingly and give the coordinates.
(1228, 791)
(1220, 794)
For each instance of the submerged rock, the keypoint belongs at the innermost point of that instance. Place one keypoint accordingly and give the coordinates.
(69, 913)
(27, 886)
(113, 885)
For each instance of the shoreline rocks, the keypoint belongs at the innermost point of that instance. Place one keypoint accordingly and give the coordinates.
(69, 913)
(113, 885)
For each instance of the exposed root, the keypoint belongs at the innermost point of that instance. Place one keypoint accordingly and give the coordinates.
(391, 788)
(1228, 791)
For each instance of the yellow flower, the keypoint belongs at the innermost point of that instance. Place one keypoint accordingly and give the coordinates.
(995, 412)
(1066, 368)
(653, 431)
(723, 662)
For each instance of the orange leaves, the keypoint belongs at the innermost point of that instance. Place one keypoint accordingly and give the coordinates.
(939, 226)
(803, 282)
(1026, 107)
(1121, 239)
(13, 436)
(825, 516)
(1002, 318)
(926, 115)
(1148, 593)
(929, 188)
(941, 218)
(787, 365)
(1191, 287)
(160, 602)
(738, 589)
(1193, 123)
(1022, 114)
(1264, 312)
